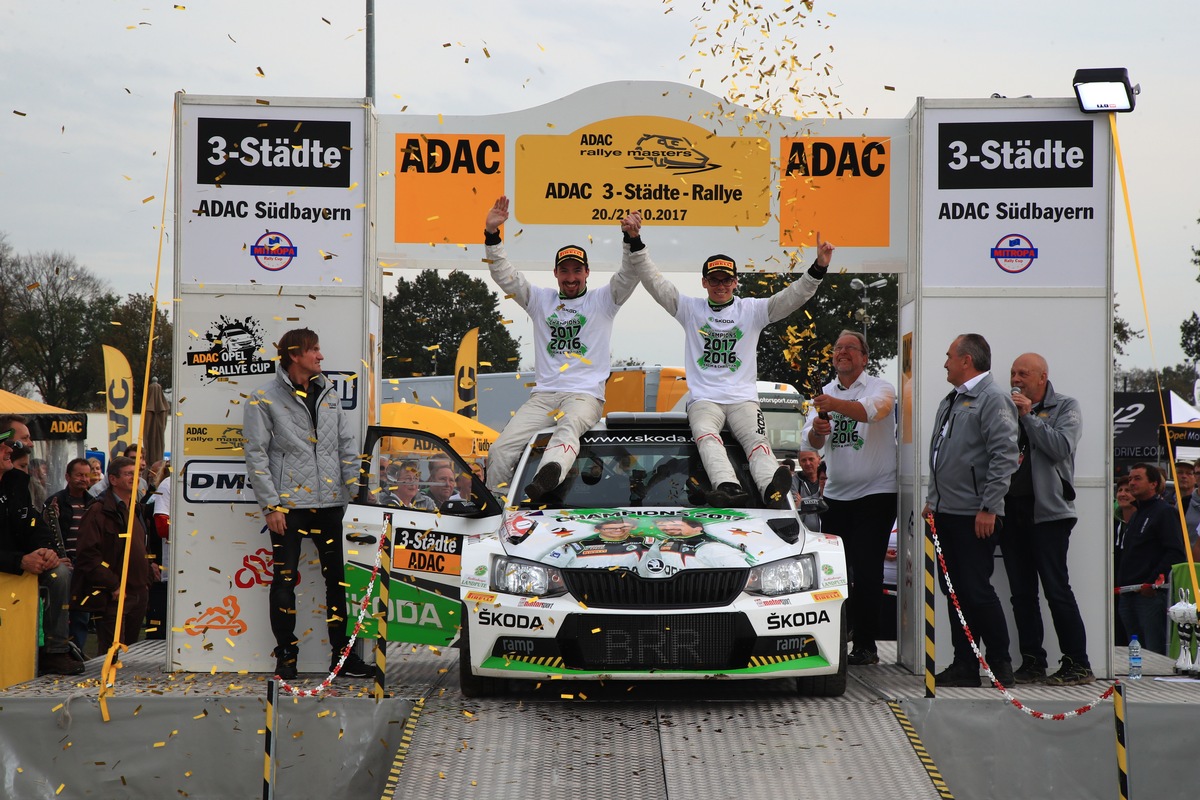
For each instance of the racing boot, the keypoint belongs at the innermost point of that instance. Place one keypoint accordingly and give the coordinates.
(545, 481)
(727, 495)
(777, 491)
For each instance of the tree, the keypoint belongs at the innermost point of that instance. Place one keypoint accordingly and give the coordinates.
(130, 336)
(797, 350)
(1189, 337)
(58, 311)
(425, 319)
(12, 378)
(1179, 379)
(1123, 332)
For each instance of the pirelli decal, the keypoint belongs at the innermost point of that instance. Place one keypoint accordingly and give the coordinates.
(826, 595)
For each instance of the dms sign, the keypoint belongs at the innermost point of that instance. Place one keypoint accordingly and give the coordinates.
(216, 482)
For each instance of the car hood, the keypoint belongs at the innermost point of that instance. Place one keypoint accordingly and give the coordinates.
(615, 537)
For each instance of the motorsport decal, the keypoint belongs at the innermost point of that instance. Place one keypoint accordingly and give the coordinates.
(235, 350)
(654, 545)
(414, 614)
(273, 251)
(219, 439)
(1015, 155)
(720, 348)
(796, 620)
(224, 619)
(1014, 253)
(666, 169)
(206, 481)
(273, 152)
(565, 324)
(426, 551)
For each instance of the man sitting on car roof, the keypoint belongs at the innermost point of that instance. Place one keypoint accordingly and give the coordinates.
(720, 334)
(572, 332)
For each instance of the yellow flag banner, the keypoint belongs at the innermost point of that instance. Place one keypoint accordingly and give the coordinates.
(118, 396)
(466, 365)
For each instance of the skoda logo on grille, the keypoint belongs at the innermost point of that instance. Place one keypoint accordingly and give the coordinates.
(655, 565)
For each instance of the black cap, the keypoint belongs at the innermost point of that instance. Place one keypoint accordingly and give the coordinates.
(571, 252)
(719, 263)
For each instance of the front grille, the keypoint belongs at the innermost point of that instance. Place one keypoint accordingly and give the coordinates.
(689, 588)
(656, 641)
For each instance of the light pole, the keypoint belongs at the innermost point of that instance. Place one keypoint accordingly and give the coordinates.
(861, 314)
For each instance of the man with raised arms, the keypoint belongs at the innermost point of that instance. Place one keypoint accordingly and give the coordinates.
(572, 329)
(720, 334)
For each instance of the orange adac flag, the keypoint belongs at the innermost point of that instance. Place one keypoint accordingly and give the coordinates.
(118, 397)
(466, 367)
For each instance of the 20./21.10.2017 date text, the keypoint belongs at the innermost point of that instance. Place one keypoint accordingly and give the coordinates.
(648, 214)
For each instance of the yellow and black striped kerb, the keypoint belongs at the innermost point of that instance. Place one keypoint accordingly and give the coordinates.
(930, 619)
(269, 740)
(926, 760)
(385, 572)
(1122, 758)
(389, 788)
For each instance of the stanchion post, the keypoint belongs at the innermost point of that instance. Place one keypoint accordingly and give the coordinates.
(269, 741)
(930, 616)
(385, 573)
(1122, 753)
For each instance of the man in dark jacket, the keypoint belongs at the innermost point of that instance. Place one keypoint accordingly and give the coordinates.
(100, 556)
(1152, 544)
(1039, 514)
(971, 459)
(26, 545)
(66, 507)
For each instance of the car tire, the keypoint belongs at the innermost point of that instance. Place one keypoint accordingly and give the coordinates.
(827, 685)
(470, 684)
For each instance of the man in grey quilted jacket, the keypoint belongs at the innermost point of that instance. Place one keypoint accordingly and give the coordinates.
(302, 456)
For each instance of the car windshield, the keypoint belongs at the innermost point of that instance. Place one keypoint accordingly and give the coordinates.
(632, 469)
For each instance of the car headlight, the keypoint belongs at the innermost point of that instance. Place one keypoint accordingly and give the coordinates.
(791, 575)
(518, 576)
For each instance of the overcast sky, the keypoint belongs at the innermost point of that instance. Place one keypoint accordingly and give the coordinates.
(88, 91)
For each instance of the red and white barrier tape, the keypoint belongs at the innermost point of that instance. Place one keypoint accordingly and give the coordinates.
(1042, 715)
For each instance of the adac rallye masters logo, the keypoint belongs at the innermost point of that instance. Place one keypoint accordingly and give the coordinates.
(670, 152)
(235, 349)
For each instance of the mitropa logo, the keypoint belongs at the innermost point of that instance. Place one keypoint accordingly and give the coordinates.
(273, 251)
(1014, 253)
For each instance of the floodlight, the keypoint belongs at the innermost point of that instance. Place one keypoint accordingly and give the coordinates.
(1104, 90)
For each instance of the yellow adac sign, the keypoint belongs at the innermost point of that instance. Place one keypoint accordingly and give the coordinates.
(670, 171)
(213, 440)
(838, 185)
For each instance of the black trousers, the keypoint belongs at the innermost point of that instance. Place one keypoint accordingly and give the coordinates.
(1034, 552)
(864, 525)
(324, 527)
(970, 561)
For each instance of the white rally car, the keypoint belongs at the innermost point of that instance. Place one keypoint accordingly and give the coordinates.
(624, 572)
